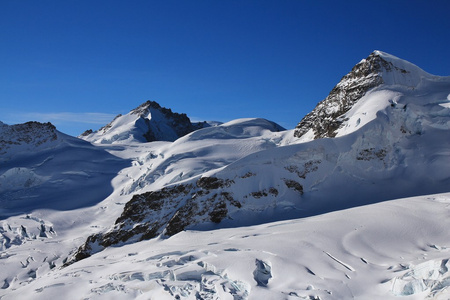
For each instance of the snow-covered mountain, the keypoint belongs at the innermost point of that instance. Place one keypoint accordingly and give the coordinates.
(381, 161)
(242, 210)
(373, 77)
(147, 123)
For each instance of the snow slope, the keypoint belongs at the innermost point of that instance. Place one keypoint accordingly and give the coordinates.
(147, 123)
(373, 84)
(383, 251)
(44, 168)
(243, 210)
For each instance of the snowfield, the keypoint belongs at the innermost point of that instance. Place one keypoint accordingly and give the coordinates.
(240, 210)
(380, 251)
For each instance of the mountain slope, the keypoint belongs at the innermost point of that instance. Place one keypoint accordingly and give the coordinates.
(377, 71)
(44, 168)
(147, 123)
(401, 149)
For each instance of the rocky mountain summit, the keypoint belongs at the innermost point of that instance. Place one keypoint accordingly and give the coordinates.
(22, 137)
(147, 123)
(377, 69)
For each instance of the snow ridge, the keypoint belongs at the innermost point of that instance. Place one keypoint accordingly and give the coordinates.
(30, 136)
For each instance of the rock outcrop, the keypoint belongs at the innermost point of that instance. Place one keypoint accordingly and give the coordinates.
(328, 115)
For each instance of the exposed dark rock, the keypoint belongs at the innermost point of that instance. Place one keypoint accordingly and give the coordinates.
(372, 153)
(227, 196)
(213, 183)
(273, 191)
(259, 194)
(308, 167)
(87, 132)
(136, 208)
(292, 184)
(180, 123)
(219, 213)
(28, 133)
(105, 128)
(328, 115)
(248, 175)
(182, 218)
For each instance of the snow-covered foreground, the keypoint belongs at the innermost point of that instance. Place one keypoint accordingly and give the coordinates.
(381, 251)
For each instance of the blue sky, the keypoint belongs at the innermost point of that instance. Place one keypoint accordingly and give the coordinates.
(79, 63)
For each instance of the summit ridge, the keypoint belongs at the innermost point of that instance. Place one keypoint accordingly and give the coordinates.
(379, 68)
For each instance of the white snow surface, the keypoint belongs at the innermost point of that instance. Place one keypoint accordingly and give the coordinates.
(370, 220)
(381, 251)
(406, 85)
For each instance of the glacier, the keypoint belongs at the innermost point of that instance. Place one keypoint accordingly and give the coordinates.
(353, 203)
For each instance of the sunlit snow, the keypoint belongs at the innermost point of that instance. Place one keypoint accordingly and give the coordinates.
(364, 215)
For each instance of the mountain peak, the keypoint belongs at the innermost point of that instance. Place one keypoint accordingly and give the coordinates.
(147, 123)
(377, 69)
(144, 107)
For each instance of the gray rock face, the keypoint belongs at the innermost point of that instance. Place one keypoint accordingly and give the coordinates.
(327, 116)
(180, 123)
(169, 211)
(33, 134)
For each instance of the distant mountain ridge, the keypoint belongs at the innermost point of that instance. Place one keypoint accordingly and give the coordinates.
(148, 122)
(29, 136)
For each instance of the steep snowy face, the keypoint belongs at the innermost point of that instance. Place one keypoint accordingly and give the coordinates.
(15, 139)
(147, 123)
(379, 70)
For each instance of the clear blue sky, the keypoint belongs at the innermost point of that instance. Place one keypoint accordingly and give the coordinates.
(79, 63)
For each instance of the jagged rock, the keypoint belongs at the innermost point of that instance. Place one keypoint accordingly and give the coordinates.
(169, 211)
(328, 115)
(87, 132)
(147, 123)
(33, 134)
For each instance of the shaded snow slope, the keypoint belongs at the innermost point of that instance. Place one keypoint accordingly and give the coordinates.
(147, 123)
(44, 168)
(377, 81)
